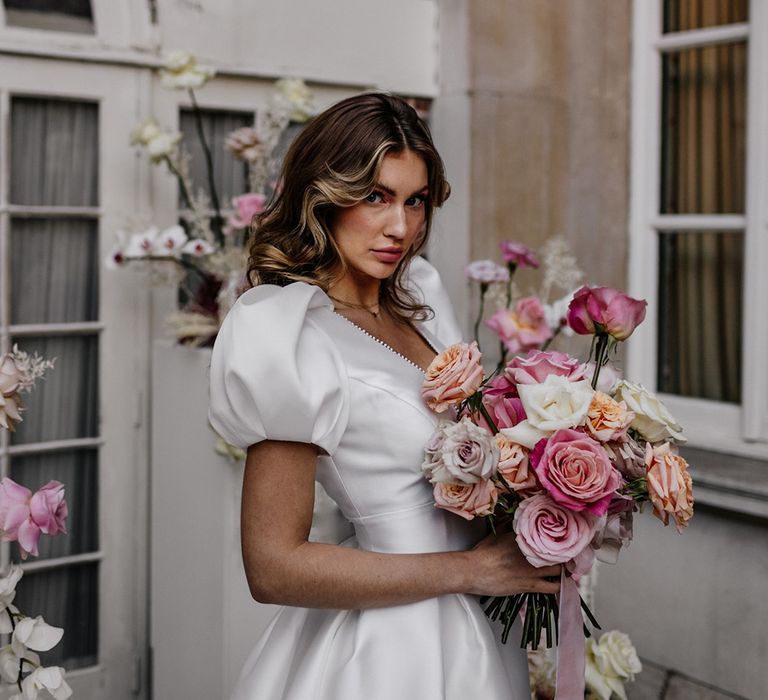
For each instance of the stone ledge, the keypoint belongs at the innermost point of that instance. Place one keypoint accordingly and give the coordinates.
(729, 482)
(655, 682)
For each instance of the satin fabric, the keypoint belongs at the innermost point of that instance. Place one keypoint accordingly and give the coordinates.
(286, 366)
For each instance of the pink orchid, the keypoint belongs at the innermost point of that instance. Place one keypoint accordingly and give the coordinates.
(605, 310)
(24, 516)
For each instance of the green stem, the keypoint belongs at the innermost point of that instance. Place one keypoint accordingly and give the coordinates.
(483, 292)
(217, 219)
(601, 356)
(487, 416)
(185, 196)
(511, 267)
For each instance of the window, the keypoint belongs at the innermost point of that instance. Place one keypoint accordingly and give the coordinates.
(696, 221)
(58, 15)
(52, 308)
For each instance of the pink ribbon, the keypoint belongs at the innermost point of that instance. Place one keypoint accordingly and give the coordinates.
(570, 647)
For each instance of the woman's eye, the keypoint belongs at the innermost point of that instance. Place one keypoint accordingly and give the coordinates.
(416, 201)
(374, 198)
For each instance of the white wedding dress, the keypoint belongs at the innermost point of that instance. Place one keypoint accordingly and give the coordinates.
(287, 367)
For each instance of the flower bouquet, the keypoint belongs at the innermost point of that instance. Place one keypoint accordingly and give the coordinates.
(544, 447)
(207, 249)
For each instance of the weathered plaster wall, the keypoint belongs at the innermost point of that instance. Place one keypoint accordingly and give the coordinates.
(550, 128)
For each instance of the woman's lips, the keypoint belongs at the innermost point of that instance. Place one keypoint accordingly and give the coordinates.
(388, 255)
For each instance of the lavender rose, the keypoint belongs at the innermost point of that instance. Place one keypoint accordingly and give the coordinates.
(461, 453)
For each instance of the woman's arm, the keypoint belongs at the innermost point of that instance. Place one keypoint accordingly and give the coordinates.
(283, 567)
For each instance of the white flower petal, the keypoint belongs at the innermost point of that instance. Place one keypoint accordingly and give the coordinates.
(37, 634)
(198, 247)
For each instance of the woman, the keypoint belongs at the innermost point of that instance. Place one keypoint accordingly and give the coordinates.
(317, 371)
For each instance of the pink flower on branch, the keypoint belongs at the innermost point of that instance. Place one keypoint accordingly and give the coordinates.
(247, 206)
(24, 516)
(518, 254)
(485, 272)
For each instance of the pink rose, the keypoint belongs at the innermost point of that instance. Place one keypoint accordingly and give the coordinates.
(502, 403)
(24, 516)
(514, 467)
(605, 310)
(454, 375)
(548, 533)
(537, 365)
(485, 272)
(518, 254)
(576, 471)
(522, 328)
(247, 206)
(467, 500)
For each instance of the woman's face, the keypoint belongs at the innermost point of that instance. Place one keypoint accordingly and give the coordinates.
(374, 234)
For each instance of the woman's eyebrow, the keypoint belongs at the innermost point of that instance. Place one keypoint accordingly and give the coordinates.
(392, 193)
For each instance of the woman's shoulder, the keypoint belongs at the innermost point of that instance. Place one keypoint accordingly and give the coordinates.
(423, 279)
(295, 299)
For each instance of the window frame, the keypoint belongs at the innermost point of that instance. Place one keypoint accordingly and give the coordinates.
(741, 429)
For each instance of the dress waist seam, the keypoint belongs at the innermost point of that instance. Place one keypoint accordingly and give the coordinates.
(368, 518)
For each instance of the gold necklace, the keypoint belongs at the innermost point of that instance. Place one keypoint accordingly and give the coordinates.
(352, 305)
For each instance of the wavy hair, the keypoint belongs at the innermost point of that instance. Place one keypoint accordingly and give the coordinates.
(333, 164)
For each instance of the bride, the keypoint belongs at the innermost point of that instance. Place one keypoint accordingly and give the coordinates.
(317, 372)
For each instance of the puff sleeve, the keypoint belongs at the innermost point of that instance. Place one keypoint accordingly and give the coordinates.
(274, 372)
(424, 280)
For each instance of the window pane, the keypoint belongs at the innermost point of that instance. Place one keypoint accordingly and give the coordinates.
(703, 130)
(77, 470)
(57, 15)
(55, 270)
(68, 598)
(680, 15)
(54, 152)
(700, 314)
(230, 175)
(65, 403)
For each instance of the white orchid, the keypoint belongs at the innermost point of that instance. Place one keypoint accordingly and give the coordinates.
(142, 244)
(163, 145)
(49, 678)
(34, 633)
(183, 72)
(171, 241)
(198, 247)
(295, 97)
(10, 662)
(7, 594)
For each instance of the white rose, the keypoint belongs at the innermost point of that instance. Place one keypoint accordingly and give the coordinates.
(556, 403)
(461, 453)
(50, 679)
(182, 71)
(616, 657)
(145, 131)
(652, 419)
(163, 145)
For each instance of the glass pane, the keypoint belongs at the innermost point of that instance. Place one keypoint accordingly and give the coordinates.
(680, 15)
(68, 598)
(65, 403)
(703, 130)
(230, 175)
(54, 152)
(55, 270)
(78, 471)
(700, 314)
(58, 15)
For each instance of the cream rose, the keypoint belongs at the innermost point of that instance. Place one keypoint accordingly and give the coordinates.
(615, 656)
(556, 403)
(652, 419)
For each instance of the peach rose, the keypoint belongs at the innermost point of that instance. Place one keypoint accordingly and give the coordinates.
(607, 419)
(515, 468)
(670, 486)
(467, 500)
(454, 375)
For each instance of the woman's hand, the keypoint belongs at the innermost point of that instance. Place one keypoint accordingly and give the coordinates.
(498, 567)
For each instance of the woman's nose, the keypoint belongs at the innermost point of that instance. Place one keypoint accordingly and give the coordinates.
(396, 223)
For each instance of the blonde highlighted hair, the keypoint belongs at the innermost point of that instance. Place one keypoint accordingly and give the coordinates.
(333, 164)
